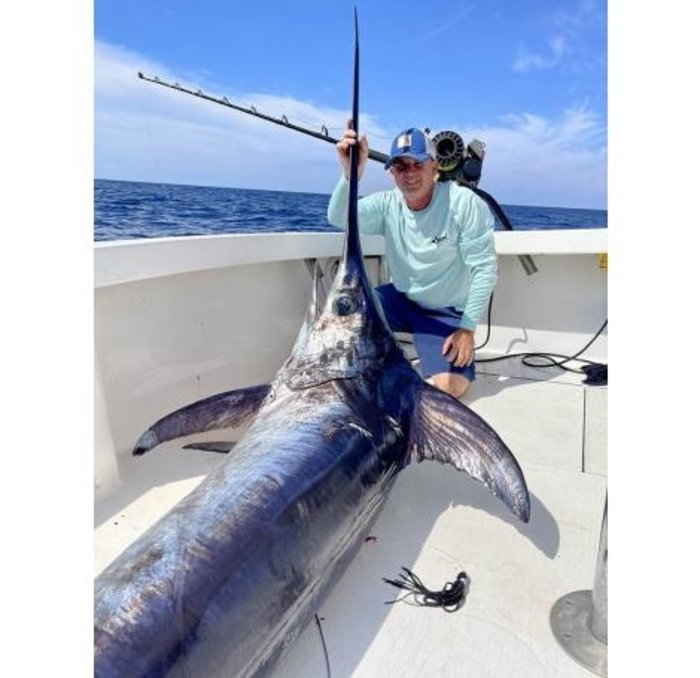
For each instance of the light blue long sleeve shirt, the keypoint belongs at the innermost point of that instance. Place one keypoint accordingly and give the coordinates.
(442, 255)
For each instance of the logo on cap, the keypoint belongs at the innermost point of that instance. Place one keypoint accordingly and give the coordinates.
(403, 141)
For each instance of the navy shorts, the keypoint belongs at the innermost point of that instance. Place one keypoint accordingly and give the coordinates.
(429, 327)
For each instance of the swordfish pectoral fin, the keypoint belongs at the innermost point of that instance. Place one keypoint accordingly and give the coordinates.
(444, 430)
(225, 410)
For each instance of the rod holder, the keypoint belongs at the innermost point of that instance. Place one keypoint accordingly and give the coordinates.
(579, 619)
(528, 263)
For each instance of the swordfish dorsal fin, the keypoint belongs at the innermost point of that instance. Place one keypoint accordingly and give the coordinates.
(444, 430)
(353, 249)
(225, 410)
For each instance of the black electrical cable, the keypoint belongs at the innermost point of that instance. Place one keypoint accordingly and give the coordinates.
(488, 325)
(450, 598)
(596, 373)
(325, 649)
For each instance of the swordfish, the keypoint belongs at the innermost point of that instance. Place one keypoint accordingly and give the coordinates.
(225, 581)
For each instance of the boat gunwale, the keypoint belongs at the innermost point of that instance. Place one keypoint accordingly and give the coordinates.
(122, 261)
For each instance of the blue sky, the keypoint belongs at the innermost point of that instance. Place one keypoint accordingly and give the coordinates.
(529, 79)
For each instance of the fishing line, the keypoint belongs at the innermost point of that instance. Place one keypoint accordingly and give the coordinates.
(450, 598)
(155, 155)
(325, 649)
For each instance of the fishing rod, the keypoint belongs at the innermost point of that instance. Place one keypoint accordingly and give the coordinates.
(323, 135)
(456, 160)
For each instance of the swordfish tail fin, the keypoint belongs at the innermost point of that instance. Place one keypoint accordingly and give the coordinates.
(225, 410)
(444, 430)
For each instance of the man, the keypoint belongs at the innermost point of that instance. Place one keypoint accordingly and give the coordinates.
(440, 252)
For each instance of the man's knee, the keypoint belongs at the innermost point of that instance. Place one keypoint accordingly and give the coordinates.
(450, 382)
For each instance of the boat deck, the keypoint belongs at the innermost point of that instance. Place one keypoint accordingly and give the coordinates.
(438, 522)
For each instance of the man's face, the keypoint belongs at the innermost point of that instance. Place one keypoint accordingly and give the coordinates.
(415, 180)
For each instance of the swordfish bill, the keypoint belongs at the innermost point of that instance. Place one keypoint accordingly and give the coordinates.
(226, 580)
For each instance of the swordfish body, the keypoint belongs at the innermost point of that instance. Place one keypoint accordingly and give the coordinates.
(224, 583)
(232, 574)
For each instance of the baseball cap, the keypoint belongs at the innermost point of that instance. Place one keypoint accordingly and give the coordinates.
(411, 143)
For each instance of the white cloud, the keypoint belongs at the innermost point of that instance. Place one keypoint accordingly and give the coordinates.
(150, 133)
(447, 24)
(568, 47)
(147, 132)
(575, 18)
(534, 161)
(526, 60)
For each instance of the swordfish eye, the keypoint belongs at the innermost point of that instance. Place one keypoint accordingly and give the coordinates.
(345, 304)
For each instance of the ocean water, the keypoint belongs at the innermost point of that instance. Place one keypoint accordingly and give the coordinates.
(129, 209)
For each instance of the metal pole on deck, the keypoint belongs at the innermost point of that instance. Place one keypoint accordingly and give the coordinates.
(579, 620)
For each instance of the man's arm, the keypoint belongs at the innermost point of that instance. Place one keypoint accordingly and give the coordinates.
(478, 250)
(337, 213)
(370, 210)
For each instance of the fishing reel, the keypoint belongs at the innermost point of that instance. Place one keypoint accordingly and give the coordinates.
(457, 162)
(462, 164)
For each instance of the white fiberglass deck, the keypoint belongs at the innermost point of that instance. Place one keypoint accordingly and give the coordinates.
(438, 522)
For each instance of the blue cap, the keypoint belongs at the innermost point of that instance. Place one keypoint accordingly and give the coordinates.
(411, 143)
